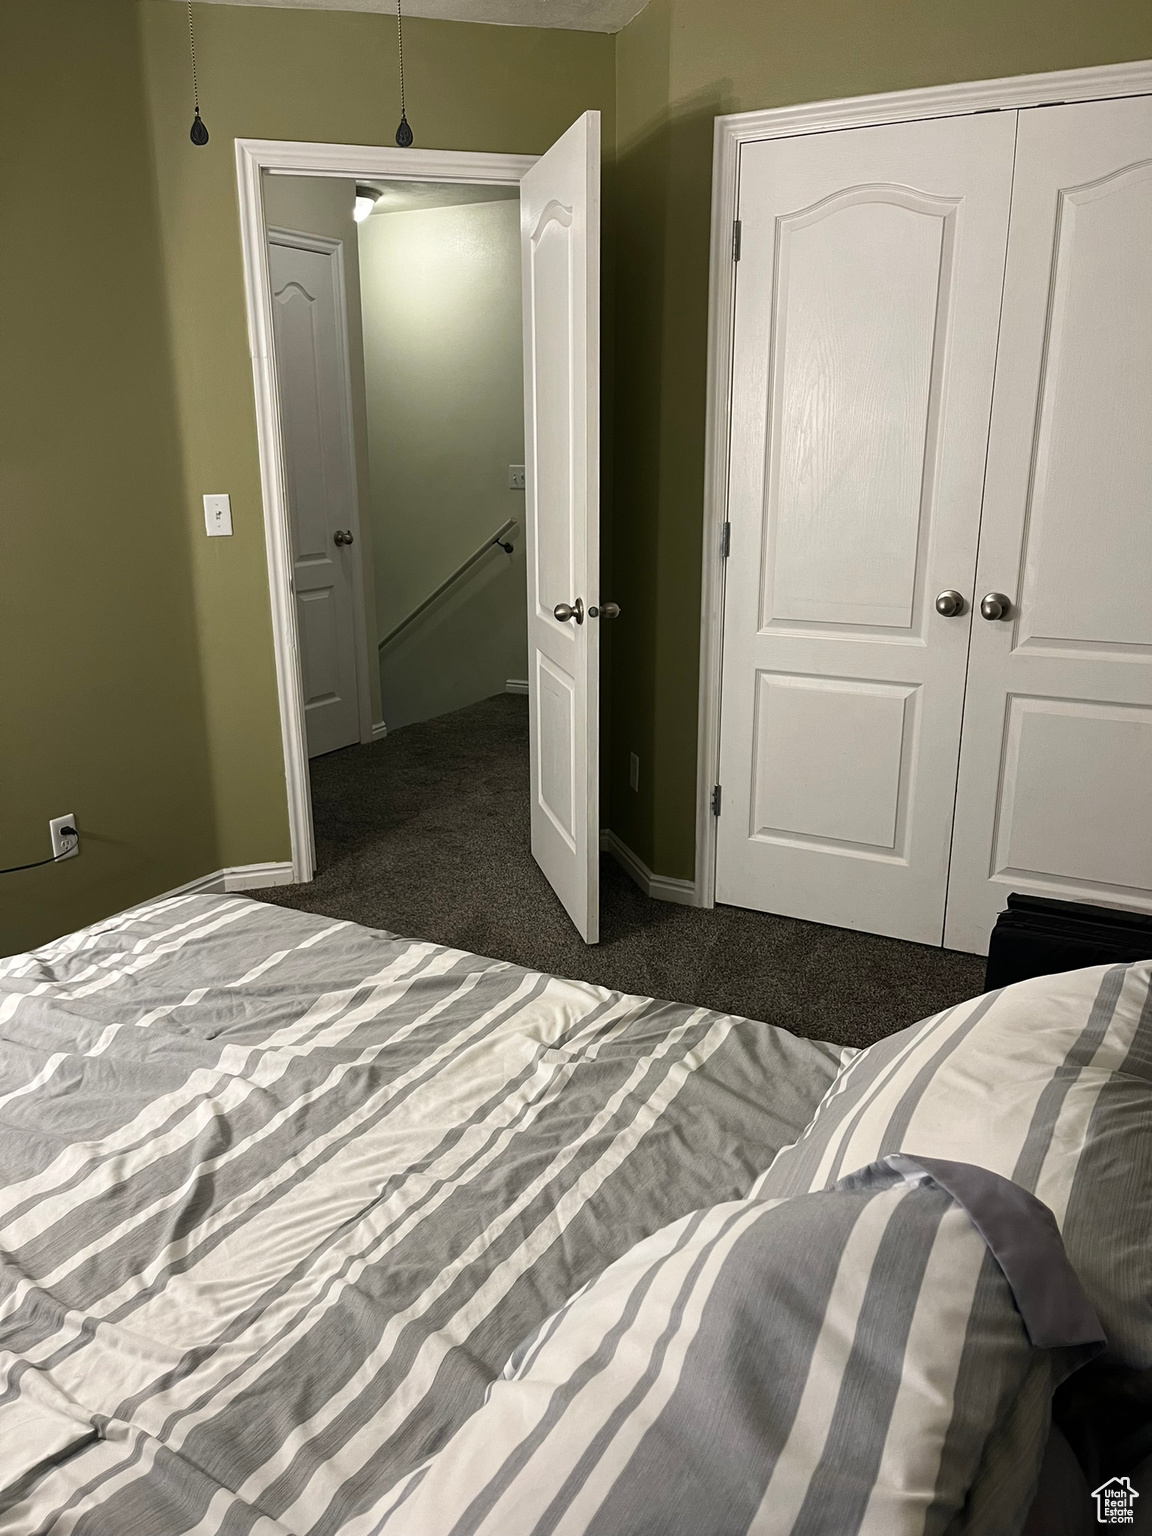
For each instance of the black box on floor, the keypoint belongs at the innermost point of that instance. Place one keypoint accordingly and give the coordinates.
(1037, 937)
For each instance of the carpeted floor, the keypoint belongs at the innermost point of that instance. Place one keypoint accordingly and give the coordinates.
(426, 834)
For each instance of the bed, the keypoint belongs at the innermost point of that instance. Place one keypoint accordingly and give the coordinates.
(287, 1206)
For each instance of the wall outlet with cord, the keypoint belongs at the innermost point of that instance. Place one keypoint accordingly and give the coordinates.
(65, 845)
(65, 838)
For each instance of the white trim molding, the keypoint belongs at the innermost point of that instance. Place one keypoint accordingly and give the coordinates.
(354, 161)
(731, 134)
(379, 730)
(660, 887)
(239, 877)
(516, 685)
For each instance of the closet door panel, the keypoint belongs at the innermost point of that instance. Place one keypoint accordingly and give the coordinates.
(1055, 787)
(868, 293)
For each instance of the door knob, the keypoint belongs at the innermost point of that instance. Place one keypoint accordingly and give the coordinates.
(605, 611)
(342, 536)
(566, 611)
(951, 603)
(994, 605)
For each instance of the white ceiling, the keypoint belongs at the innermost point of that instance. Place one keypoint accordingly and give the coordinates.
(408, 196)
(576, 15)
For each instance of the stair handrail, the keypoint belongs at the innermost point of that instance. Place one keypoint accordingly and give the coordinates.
(498, 538)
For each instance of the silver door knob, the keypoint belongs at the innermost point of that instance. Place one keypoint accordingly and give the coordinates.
(566, 611)
(950, 604)
(342, 536)
(994, 605)
(605, 611)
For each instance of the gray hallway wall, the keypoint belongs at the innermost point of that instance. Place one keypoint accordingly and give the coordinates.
(444, 380)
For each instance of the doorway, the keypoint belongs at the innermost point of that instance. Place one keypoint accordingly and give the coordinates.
(444, 390)
(325, 569)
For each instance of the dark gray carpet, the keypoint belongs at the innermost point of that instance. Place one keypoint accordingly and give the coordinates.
(426, 834)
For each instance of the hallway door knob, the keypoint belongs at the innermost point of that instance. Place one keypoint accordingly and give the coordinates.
(994, 605)
(566, 611)
(605, 611)
(343, 536)
(950, 603)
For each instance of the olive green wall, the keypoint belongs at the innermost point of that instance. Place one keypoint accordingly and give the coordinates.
(137, 680)
(308, 75)
(101, 712)
(679, 64)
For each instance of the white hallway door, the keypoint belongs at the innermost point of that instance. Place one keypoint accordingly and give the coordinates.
(312, 369)
(867, 302)
(1055, 789)
(560, 257)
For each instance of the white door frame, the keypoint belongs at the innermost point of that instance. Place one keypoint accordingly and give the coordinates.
(358, 162)
(329, 245)
(731, 132)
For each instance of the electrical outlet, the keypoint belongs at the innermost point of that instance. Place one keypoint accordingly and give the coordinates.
(65, 838)
(515, 477)
(633, 771)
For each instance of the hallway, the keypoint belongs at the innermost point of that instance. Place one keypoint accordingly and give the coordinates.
(426, 834)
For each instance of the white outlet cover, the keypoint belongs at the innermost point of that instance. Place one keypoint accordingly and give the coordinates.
(218, 516)
(515, 477)
(63, 847)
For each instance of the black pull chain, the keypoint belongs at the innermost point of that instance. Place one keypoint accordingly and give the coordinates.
(199, 134)
(403, 133)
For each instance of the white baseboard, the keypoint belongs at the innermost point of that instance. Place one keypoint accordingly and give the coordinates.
(240, 877)
(379, 730)
(516, 685)
(256, 877)
(660, 887)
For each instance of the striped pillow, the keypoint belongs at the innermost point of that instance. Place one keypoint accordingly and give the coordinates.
(854, 1361)
(1048, 1083)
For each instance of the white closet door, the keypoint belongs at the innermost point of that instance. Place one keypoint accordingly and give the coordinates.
(868, 294)
(1055, 789)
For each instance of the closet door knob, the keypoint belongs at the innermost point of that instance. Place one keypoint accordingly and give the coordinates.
(566, 611)
(951, 603)
(342, 536)
(994, 605)
(605, 611)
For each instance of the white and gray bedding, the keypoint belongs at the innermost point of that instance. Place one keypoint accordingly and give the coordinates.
(1047, 1083)
(279, 1196)
(783, 1367)
(308, 1229)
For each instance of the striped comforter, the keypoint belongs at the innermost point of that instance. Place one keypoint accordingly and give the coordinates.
(784, 1368)
(279, 1196)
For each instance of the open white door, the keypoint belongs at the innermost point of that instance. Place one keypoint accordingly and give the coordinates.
(560, 255)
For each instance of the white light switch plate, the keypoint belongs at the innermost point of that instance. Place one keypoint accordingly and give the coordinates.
(515, 477)
(217, 516)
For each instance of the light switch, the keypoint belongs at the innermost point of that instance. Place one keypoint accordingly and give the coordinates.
(217, 516)
(515, 477)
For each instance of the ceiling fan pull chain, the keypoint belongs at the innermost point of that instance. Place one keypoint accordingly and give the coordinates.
(198, 134)
(403, 132)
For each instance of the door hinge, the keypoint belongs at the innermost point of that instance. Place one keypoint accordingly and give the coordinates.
(735, 239)
(725, 540)
(716, 800)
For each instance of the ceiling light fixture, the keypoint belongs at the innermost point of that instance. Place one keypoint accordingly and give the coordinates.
(366, 199)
